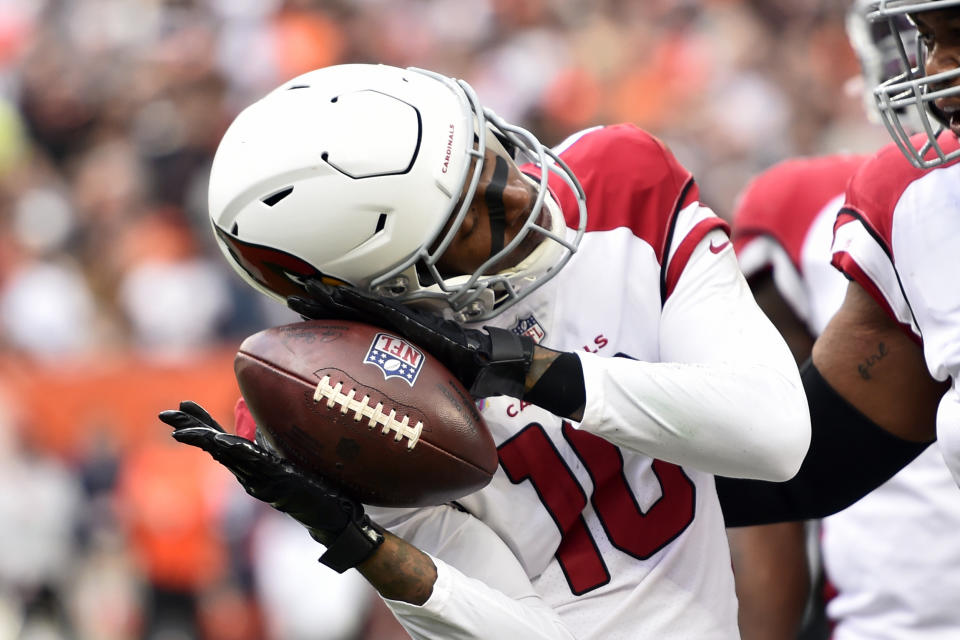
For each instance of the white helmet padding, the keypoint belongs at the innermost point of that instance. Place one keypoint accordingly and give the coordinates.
(350, 173)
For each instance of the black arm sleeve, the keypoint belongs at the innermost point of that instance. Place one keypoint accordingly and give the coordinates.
(849, 457)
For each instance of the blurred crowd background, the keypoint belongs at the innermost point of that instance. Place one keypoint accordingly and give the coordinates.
(115, 304)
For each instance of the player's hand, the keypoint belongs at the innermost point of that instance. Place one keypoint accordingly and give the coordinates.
(488, 363)
(331, 517)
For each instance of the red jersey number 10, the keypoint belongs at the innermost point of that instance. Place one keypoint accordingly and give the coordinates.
(530, 455)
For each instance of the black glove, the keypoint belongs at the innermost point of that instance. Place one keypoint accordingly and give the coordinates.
(333, 519)
(488, 363)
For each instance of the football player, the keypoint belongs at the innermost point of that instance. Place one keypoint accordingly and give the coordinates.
(782, 231)
(884, 556)
(882, 383)
(583, 293)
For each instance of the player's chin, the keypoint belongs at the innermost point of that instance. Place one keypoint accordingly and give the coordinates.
(530, 242)
(948, 114)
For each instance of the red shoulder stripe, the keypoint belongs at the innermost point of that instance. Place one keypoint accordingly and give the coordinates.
(683, 252)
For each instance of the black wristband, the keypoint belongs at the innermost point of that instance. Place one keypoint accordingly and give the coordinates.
(849, 457)
(353, 545)
(560, 390)
(504, 371)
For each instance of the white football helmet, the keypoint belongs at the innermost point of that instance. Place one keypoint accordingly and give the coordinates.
(350, 173)
(912, 91)
(878, 52)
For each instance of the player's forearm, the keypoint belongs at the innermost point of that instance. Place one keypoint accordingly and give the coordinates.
(481, 589)
(726, 419)
(400, 571)
(772, 577)
(469, 609)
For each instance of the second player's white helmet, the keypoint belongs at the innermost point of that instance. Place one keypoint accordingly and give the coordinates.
(351, 173)
(877, 46)
(913, 92)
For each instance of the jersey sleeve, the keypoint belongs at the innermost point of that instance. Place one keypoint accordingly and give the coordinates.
(481, 590)
(861, 254)
(726, 396)
(862, 236)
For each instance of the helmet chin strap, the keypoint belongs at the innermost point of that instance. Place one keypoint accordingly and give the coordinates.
(495, 206)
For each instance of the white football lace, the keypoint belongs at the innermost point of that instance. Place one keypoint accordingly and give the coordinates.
(361, 409)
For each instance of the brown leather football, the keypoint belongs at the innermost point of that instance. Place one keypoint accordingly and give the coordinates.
(366, 409)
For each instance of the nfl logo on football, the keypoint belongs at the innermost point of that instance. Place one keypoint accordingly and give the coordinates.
(529, 327)
(395, 357)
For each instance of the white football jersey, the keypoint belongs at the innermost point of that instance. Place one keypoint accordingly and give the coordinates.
(885, 557)
(616, 543)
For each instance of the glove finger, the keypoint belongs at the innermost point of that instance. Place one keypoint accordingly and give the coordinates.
(320, 310)
(197, 436)
(397, 315)
(224, 448)
(443, 338)
(323, 301)
(308, 309)
(193, 409)
(179, 420)
(243, 448)
(243, 456)
(354, 299)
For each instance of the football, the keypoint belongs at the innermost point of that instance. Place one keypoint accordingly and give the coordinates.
(367, 410)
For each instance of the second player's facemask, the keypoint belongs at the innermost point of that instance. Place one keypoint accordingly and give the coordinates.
(906, 100)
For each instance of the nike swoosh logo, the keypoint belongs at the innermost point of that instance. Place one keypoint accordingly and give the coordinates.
(718, 248)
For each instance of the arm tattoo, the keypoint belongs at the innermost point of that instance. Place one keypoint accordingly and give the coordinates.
(865, 367)
(400, 571)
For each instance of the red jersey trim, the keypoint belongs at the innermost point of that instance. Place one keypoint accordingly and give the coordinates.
(850, 214)
(847, 265)
(685, 250)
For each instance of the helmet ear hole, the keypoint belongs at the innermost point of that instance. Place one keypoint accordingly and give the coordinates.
(381, 223)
